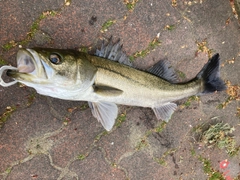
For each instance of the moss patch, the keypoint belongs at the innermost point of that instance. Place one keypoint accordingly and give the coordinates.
(2, 62)
(81, 157)
(162, 160)
(130, 4)
(106, 25)
(219, 135)
(121, 118)
(33, 29)
(3, 118)
(9, 45)
(208, 169)
(188, 102)
(144, 140)
(152, 45)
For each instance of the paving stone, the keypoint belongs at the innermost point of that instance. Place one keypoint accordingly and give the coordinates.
(133, 150)
(37, 168)
(96, 167)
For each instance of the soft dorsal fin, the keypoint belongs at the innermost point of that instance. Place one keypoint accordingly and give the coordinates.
(163, 70)
(113, 51)
(104, 112)
(107, 91)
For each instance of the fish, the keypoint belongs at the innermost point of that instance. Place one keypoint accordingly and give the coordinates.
(107, 78)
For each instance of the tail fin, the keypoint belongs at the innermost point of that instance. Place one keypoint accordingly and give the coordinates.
(211, 76)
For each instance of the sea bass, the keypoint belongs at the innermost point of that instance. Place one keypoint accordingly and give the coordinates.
(107, 78)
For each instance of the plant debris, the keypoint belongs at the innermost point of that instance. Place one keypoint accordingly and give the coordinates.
(234, 94)
(219, 135)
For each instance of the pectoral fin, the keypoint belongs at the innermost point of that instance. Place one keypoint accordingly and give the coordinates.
(107, 91)
(105, 112)
(165, 111)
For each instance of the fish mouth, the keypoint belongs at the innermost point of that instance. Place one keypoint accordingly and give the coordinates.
(25, 64)
(25, 61)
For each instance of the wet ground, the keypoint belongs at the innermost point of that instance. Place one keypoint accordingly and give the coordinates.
(46, 138)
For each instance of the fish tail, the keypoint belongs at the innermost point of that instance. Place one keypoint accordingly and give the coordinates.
(210, 75)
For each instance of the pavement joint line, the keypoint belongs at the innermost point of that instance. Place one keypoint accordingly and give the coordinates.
(42, 141)
(54, 112)
(35, 26)
(18, 162)
(40, 145)
(126, 155)
(152, 45)
(112, 164)
(95, 143)
(64, 171)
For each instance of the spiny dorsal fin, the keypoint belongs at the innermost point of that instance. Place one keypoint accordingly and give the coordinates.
(163, 70)
(113, 51)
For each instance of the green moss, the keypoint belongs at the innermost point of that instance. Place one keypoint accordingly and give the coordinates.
(161, 127)
(31, 98)
(2, 62)
(193, 152)
(3, 118)
(8, 170)
(83, 49)
(121, 118)
(208, 169)
(9, 45)
(130, 4)
(219, 135)
(151, 46)
(181, 75)
(143, 143)
(189, 101)
(34, 27)
(81, 157)
(84, 106)
(99, 136)
(106, 25)
(162, 160)
(170, 27)
(131, 58)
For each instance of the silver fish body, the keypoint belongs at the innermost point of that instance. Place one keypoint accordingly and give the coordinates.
(73, 75)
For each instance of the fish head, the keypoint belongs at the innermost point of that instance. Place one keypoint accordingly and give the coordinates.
(53, 70)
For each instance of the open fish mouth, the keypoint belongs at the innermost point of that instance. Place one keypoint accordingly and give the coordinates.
(25, 64)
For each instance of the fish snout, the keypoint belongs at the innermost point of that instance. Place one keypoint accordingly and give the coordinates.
(11, 73)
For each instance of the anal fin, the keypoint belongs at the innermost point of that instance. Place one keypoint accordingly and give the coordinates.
(165, 111)
(104, 112)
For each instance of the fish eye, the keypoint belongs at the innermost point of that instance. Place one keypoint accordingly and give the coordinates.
(55, 58)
